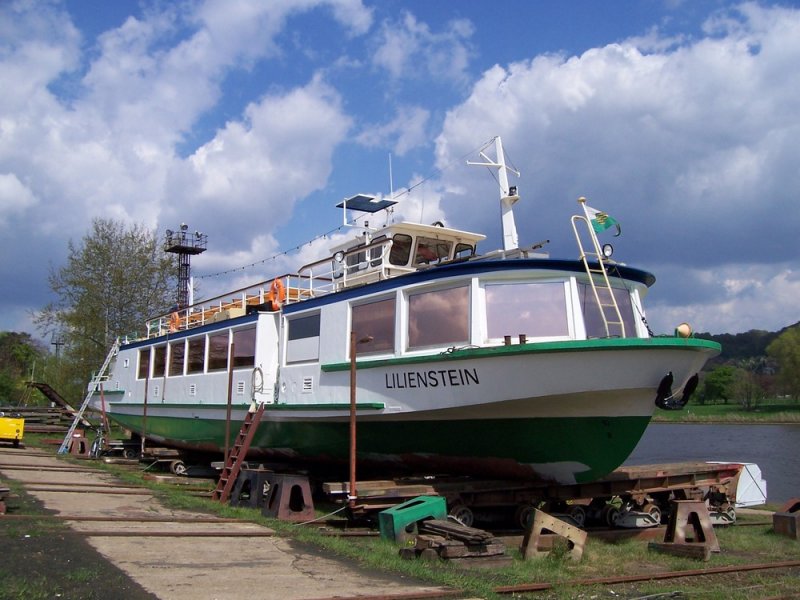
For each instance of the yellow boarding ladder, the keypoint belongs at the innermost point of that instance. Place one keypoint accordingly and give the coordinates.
(600, 285)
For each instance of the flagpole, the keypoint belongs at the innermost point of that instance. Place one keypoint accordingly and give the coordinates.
(595, 241)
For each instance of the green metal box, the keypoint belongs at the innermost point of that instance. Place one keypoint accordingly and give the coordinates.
(400, 522)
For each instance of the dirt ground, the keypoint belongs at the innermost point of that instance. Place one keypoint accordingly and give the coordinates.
(46, 559)
(112, 540)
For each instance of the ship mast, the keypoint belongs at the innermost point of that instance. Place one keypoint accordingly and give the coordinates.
(508, 195)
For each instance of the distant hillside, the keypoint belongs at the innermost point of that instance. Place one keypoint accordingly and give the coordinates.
(744, 345)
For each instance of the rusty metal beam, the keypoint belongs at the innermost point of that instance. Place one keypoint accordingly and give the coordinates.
(176, 534)
(129, 492)
(537, 587)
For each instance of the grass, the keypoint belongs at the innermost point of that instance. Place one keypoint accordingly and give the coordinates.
(766, 412)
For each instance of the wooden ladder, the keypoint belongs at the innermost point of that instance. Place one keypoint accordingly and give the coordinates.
(237, 454)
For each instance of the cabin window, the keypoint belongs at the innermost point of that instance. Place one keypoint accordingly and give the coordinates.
(218, 352)
(177, 351)
(438, 317)
(375, 320)
(463, 251)
(356, 261)
(401, 249)
(593, 319)
(244, 351)
(534, 309)
(376, 252)
(144, 363)
(159, 361)
(430, 250)
(302, 339)
(197, 354)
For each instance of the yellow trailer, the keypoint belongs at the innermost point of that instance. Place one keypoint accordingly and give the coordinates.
(11, 429)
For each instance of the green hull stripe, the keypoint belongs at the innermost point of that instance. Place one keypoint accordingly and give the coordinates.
(600, 443)
(339, 406)
(538, 348)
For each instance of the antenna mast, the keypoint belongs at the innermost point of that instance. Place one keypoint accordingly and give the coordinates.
(508, 195)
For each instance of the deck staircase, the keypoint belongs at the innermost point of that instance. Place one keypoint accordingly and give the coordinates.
(237, 454)
(94, 386)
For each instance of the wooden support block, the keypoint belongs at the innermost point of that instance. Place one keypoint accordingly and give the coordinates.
(787, 524)
(576, 538)
(689, 523)
(698, 551)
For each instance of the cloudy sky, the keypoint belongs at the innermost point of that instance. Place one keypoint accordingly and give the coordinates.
(250, 120)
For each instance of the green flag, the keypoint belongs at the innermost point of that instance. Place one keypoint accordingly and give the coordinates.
(602, 221)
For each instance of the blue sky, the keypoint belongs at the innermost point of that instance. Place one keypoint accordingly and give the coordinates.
(250, 120)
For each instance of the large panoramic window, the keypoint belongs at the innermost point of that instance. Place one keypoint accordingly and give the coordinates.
(439, 317)
(144, 363)
(177, 351)
(534, 309)
(197, 354)
(374, 320)
(218, 351)
(159, 361)
(593, 318)
(244, 352)
(302, 339)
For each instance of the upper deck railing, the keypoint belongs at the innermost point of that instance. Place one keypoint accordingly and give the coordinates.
(345, 269)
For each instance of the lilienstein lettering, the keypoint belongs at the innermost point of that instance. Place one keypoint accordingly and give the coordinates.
(432, 378)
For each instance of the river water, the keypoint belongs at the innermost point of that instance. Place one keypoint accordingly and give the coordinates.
(774, 448)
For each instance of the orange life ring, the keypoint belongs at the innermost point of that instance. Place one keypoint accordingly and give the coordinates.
(276, 294)
(174, 322)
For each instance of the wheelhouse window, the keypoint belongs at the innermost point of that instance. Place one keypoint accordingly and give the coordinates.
(438, 317)
(375, 320)
(195, 359)
(463, 251)
(177, 352)
(144, 363)
(159, 361)
(534, 309)
(302, 339)
(593, 318)
(244, 352)
(401, 249)
(218, 352)
(430, 250)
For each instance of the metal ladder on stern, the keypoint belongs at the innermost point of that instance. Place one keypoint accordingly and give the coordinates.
(608, 303)
(94, 386)
(237, 454)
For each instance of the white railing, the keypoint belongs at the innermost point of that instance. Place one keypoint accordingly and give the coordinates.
(355, 267)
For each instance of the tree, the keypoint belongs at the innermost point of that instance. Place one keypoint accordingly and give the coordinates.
(786, 351)
(114, 280)
(18, 354)
(718, 385)
(749, 382)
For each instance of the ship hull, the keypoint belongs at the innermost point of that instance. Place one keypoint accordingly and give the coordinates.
(567, 412)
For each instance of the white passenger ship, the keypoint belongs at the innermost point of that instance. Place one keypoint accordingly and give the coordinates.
(508, 364)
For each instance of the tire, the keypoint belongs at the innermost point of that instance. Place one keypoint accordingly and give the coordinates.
(462, 514)
(578, 514)
(130, 453)
(609, 515)
(178, 467)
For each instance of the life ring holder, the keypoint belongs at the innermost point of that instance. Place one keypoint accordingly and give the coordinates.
(276, 294)
(174, 322)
